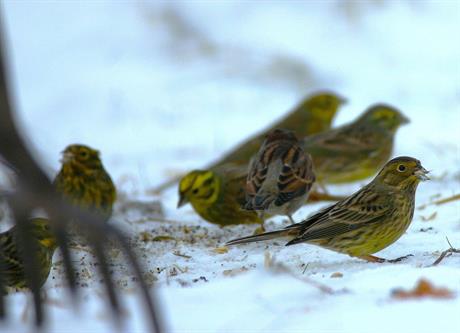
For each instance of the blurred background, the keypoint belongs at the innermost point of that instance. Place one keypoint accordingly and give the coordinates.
(162, 87)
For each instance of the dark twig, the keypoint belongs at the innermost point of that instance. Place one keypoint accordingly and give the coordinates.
(446, 253)
(28, 254)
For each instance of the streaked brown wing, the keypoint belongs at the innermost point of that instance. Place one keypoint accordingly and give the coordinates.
(296, 177)
(258, 169)
(362, 208)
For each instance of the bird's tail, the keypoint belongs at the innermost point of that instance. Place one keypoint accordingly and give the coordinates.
(261, 237)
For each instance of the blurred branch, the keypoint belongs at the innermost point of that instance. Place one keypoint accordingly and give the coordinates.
(440, 201)
(34, 189)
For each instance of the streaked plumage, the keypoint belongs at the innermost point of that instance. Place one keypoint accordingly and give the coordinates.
(313, 115)
(367, 221)
(84, 181)
(11, 253)
(217, 195)
(357, 150)
(280, 176)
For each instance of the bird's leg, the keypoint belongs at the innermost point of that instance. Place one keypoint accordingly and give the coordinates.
(316, 196)
(260, 229)
(25, 311)
(371, 258)
(291, 219)
(323, 188)
(51, 301)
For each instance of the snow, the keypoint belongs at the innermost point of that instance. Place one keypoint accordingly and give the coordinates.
(162, 88)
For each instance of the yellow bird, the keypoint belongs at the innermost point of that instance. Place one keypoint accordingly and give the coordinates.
(84, 181)
(13, 274)
(217, 195)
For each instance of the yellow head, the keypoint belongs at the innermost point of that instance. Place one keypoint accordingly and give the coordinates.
(41, 231)
(384, 117)
(402, 172)
(199, 187)
(324, 105)
(81, 157)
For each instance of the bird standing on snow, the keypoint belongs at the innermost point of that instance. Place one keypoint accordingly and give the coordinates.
(280, 176)
(83, 180)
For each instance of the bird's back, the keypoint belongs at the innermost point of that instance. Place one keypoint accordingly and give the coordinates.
(280, 178)
(349, 153)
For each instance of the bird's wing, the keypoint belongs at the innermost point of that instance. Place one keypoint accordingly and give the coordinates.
(364, 207)
(345, 139)
(296, 177)
(257, 174)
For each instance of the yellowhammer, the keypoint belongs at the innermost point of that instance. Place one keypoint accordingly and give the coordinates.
(11, 253)
(217, 195)
(83, 180)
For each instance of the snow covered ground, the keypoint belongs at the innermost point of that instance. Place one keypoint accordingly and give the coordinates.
(164, 87)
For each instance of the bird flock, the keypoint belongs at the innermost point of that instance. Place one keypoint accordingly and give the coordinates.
(272, 173)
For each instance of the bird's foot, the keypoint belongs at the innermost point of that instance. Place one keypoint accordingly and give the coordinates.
(259, 230)
(399, 259)
(371, 258)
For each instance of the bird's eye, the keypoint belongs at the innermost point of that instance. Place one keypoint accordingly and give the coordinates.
(401, 168)
(84, 154)
(195, 191)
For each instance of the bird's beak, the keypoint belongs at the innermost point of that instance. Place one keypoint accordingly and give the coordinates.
(422, 174)
(66, 156)
(182, 201)
(343, 100)
(404, 120)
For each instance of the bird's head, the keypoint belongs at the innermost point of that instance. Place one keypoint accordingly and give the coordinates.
(324, 105)
(82, 157)
(198, 187)
(402, 172)
(384, 117)
(280, 134)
